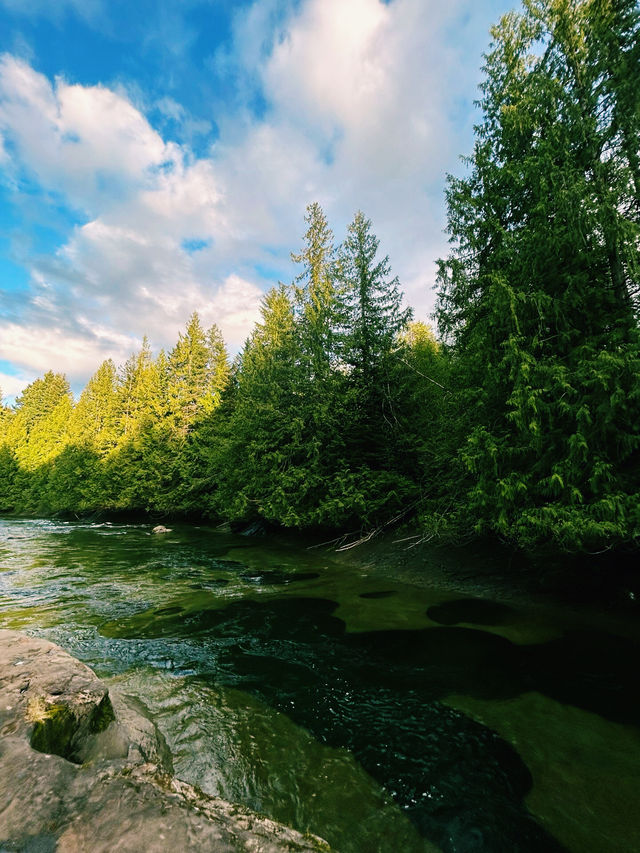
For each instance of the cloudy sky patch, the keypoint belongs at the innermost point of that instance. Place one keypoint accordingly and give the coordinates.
(157, 158)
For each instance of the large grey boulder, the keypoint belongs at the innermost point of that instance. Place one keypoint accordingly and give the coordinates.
(83, 772)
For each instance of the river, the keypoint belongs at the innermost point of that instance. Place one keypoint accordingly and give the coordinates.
(375, 705)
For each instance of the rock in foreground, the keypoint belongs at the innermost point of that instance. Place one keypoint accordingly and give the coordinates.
(85, 772)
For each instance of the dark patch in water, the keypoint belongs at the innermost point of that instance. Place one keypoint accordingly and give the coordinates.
(476, 611)
(231, 565)
(589, 669)
(383, 593)
(168, 611)
(376, 694)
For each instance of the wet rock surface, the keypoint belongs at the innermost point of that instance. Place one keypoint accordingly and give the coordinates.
(82, 770)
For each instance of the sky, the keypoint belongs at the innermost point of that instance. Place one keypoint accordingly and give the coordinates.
(157, 158)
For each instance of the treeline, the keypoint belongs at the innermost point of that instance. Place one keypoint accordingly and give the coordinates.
(322, 420)
(523, 421)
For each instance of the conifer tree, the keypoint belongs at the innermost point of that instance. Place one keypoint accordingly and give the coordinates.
(194, 480)
(39, 399)
(423, 394)
(318, 380)
(137, 470)
(188, 362)
(258, 447)
(370, 302)
(37, 434)
(371, 319)
(136, 390)
(94, 420)
(8, 462)
(218, 370)
(537, 296)
(78, 480)
(315, 294)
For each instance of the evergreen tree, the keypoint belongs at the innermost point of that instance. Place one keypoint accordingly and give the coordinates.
(315, 294)
(39, 399)
(188, 372)
(218, 370)
(95, 417)
(424, 385)
(537, 296)
(78, 480)
(258, 448)
(6, 414)
(8, 462)
(137, 471)
(319, 383)
(37, 433)
(371, 320)
(135, 391)
(194, 482)
(371, 310)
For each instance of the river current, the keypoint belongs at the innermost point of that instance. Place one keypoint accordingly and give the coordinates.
(375, 706)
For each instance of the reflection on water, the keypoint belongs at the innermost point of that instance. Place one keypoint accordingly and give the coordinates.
(379, 713)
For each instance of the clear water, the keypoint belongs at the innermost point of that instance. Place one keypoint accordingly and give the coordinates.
(380, 708)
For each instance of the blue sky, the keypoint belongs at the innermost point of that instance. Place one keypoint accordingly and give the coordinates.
(157, 157)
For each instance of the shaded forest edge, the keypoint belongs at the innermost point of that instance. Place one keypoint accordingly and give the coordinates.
(519, 420)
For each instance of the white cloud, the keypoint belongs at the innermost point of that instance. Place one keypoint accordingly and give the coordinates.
(31, 348)
(4, 156)
(360, 112)
(125, 270)
(11, 385)
(135, 282)
(87, 143)
(235, 308)
(330, 64)
(360, 97)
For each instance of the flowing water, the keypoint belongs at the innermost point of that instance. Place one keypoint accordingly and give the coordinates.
(381, 708)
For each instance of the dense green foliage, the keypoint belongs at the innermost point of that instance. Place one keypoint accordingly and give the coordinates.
(312, 425)
(539, 297)
(340, 412)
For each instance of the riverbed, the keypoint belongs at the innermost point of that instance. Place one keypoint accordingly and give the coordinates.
(382, 705)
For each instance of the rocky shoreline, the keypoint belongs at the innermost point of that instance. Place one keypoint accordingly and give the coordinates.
(84, 770)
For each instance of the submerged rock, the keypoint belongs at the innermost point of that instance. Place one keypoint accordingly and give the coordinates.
(81, 770)
(160, 528)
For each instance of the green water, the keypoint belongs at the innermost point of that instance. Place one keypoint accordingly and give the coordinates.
(382, 708)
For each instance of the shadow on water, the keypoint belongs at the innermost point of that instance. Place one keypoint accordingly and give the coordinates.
(377, 694)
(478, 611)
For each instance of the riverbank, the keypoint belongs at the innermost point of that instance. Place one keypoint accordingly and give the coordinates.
(481, 565)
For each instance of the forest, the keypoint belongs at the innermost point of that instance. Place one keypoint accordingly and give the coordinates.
(517, 416)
